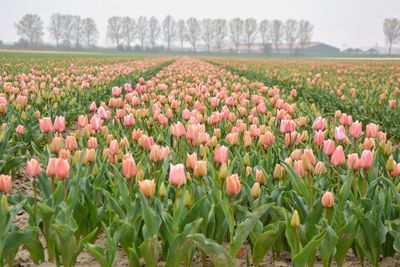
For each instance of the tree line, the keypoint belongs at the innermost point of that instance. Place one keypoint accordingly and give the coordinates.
(69, 31)
(125, 32)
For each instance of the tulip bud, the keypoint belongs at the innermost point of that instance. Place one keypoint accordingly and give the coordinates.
(162, 191)
(223, 171)
(246, 159)
(390, 164)
(278, 172)
(23, 115)
(327, 200)
(187, 199)
(255, 190)
(76, 157)
(304, 136)
(248, 171)
(260, 177)
(387, 148)
(4, 203)
(295, 221)
(95, 170)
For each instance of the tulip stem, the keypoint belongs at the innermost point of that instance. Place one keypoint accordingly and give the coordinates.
(34, 192)
(355, 186)
(328, 214)
(53, 184)
(295, 237)
(365, 183)
(129, 186)
(338, 179)
(65, 190)
(233, 207)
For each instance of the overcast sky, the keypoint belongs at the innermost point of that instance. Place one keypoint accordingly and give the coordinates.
(338, 22)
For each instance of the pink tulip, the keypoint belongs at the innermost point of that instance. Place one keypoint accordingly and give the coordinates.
(338, 157)
(33, 167)
(95, 123)
(355, 129)
(70, 143)
(114, 147)
(45, 125)
(129, 120)
(191, 160)
(93, 106)
(20, 129)
(59, 124)
(51, 167)
(5, 184)
(177, 175)
(372, 130)
(319, 137)
(353, 161)
(287, 126)
(319, 124)
(61, 169)
(221, 154)
(82, 121)
(178, 129)
(366, 159)
(233, 185)
(329, 147)
(129, 169)
(340, 133)
(116, 91)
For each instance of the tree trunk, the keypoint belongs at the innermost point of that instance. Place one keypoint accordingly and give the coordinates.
(390, 48)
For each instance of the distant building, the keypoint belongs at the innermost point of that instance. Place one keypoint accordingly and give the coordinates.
(372, 51)
(314, 48)
(353, 51)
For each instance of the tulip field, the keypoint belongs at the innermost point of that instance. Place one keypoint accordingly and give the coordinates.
(190, 161)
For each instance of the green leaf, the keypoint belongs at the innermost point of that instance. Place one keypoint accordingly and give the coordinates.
(263, 244)
(346, 237)
(182, 245)
(98, 253)
(244, 228)
(218, 254)
(298, 184)
(301, 258)
(327, 247)
(150, 249)
(66, 243)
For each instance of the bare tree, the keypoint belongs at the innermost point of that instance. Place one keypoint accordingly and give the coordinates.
(77, 30)
(67, 32)
(181, 31)
(207, 32)
(55, 27)
(291, 33)
(169, 30)
(128, 30)
(250, 32)
(276, 32)
(304, 33)
(30, 28)
(193, 32)
(142, 27)
(236, 31)
(89, 31)
(114, 30)
(154, 31)
(220, 32)
(391, 29)
(263, 28)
